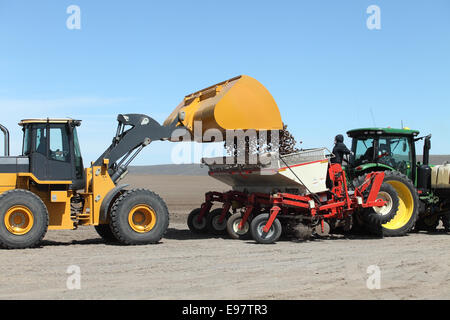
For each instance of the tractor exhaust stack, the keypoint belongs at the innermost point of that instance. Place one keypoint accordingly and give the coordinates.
(6, 141)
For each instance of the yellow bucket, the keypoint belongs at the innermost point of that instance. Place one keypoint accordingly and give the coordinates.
(240, 103)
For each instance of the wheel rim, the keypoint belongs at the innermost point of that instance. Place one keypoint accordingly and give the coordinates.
(405, 206)
(19, 220)
(386, 209)
(142, 218)
(242, 231)
(261, 233)
(217, 225)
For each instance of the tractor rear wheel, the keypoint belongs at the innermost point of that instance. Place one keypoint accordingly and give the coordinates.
(104, 231)
(194, 224)
(214, 225)
(139, 217)
(408, 209)
(233, 227)
(23, 219)
(258, 234)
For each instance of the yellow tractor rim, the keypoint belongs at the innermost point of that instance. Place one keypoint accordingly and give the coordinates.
(142, 218)
(19, 220)
(405, 206)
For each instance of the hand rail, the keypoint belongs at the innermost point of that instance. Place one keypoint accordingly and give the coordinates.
(6, 144)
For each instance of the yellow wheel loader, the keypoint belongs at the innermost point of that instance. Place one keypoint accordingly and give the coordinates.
(47, 187)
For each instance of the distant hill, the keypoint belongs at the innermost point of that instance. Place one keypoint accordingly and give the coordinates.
(436, 159)
(195, 169)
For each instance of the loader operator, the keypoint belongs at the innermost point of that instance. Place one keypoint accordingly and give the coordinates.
(339, 150)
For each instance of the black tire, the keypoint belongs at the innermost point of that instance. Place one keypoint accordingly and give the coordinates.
(233, 230)
(212, 222)
(428, 224)
(148, 206)
(408, 211)
(259, 235)
(10, 237)
(194, 225)
(104, 231)
(446, 221)
(375, 217)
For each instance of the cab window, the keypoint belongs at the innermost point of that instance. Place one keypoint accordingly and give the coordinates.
(26, 141)
(41, 140)
(78, 158)
(363, 149)
(59, 144)
(395, 152)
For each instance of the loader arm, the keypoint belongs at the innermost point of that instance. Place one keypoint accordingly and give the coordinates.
(134, 132)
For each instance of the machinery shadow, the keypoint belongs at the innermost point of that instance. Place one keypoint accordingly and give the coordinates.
(171, 233)
(177, 234)
(95, 241)
(48, 243)
(437, 232)
(185, 234)
(331, 237)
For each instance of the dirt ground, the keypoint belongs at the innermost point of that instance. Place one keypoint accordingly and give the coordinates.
(186, 266)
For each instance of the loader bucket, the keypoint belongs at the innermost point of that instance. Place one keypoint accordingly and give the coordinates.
(240, 103)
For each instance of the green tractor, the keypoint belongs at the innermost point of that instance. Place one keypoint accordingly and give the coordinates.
(423, 190)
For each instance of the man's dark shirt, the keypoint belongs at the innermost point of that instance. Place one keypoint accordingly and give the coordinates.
(339, 151)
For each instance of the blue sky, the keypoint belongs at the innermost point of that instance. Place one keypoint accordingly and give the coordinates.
(326, 70)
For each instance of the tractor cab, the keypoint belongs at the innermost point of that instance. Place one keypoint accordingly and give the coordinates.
(53, 150)
(376, 149)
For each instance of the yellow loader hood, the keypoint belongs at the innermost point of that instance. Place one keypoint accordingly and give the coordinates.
(240, 103)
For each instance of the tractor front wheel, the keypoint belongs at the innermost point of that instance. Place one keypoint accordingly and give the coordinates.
(446, 221)
(429, 223)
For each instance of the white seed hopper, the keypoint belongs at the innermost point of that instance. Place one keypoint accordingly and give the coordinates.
(300, 172)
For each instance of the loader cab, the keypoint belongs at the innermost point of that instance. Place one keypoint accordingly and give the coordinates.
(376, 149)
(53, 150)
